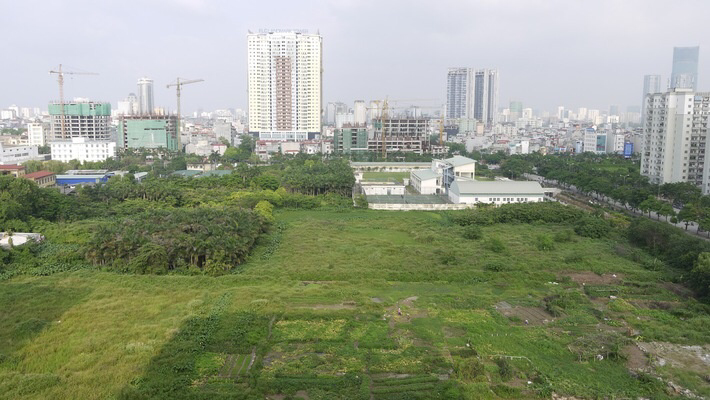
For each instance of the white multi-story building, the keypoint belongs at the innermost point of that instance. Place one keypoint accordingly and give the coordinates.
(82, 149)
(284, 81)
(615, 143)
(17, 154)
(360, 112)
(37, 133)
(675, 138)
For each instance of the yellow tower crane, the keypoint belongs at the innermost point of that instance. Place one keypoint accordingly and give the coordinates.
(178, 86)
(60, 79)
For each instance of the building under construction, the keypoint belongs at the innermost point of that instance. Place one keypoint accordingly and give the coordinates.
(148, 131)
(82, 119)
(409, 135)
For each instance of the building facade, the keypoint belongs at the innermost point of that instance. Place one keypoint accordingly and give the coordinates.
(83, 119)
(284, 82)
(37, 133)
(407, 135)
(675, 138)
(82, 149)
(350, 139)
(148, 131)
(651, 84)
(42, 178)
(17, 154)
(685, 68)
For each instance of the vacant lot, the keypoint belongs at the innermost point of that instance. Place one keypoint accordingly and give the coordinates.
(360, 305)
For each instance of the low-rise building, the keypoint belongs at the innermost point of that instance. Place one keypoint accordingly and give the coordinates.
(17, 154)
(426, 181)
(83, 177)
(495, 192)
(13, 169)
(42, 178)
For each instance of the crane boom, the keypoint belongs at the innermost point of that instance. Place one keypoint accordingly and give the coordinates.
(60, 79)
(178, 86)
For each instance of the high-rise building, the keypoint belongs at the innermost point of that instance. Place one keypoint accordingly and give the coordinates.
(472, 93)
(145, 96)
(360, 112)
(485, 98)
(284, 84)
(685, 68)
(459, 93)
(516, 110)
(675, 138)
(82, 119)
(651, 84)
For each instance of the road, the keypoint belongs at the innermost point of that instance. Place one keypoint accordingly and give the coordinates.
(692, 227)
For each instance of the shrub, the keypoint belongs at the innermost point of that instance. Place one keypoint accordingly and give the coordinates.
(472, 232)
(592, 227)
(494, 266)
(545, 243)
(496, 245)
(504, 369)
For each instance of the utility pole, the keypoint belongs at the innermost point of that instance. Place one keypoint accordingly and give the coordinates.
(60, 79)
(178, 86)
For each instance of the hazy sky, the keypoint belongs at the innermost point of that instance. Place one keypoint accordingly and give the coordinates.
(549, 52)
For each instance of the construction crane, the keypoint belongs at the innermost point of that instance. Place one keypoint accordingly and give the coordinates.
(178, 86)
(60, 79)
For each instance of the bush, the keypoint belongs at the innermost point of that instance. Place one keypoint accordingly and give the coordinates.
(496, 245)
(592, 227)
(494, 266)
(545, 243)
(504, 369)
(472, 232)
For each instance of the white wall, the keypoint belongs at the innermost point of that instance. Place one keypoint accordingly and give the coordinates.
(497, 199)
(17, 154)
(383, 190)
(82, 150)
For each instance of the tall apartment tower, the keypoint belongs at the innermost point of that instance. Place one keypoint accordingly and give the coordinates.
(485, 97)
(284, 84)
(651, 84)
(675, 132)
(145, 96)
(685, 68)
(459, 93)
(472, 93)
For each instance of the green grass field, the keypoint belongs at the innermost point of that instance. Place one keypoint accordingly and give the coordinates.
(385, 176)
(358, 305)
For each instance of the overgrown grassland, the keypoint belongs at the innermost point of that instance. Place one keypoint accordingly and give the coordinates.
(357, 305)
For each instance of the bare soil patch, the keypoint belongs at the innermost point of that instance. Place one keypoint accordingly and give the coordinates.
(533, 315)
(635, 357)
(694, 358)
(678, 289)
(590, 278)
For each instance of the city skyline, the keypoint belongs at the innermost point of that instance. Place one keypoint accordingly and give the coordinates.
(543, 49)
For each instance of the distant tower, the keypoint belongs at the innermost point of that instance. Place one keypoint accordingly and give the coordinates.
(685, 68)
(360, 112)
(145, 96)
(459, 93)
(485, 96)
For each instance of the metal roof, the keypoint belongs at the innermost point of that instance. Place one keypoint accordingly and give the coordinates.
(458, 161)
(425, 174)
(497, 187)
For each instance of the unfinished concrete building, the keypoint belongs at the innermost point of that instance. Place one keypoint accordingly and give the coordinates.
(399, 134)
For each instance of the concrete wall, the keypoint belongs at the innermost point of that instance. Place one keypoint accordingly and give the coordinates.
(419, 207)
(383, 189)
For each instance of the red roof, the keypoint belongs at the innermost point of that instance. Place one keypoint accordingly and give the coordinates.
(38, 174)
(12, 167)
